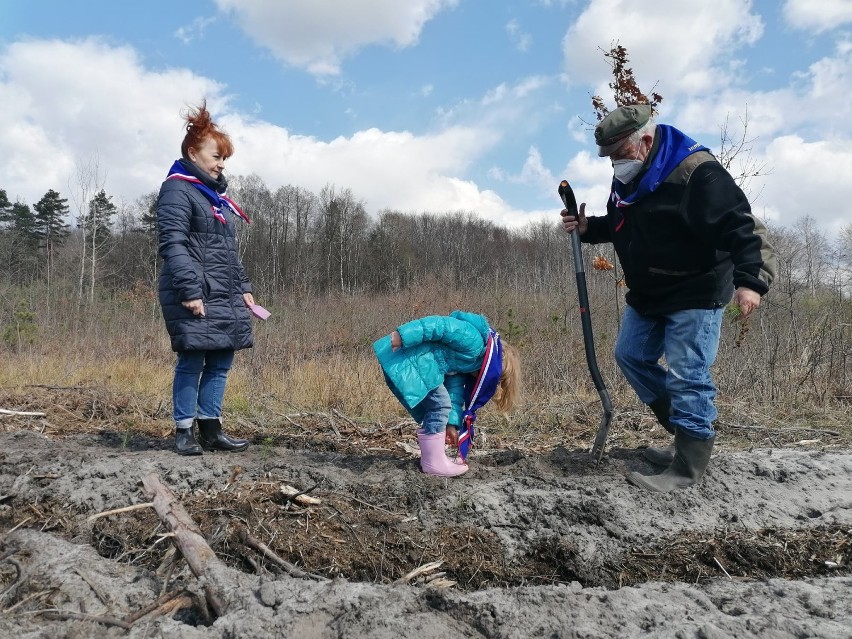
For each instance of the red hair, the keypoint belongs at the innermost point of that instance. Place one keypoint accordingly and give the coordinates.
(199, 127)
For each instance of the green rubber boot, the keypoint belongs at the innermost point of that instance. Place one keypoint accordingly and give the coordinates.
(662, 409)
(687, 468)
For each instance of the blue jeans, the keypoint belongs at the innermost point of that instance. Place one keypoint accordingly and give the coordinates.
(689, 340)
(433, 411)
(199, 385)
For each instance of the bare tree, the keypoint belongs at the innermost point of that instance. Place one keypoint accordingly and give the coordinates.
(738, 148)
(88, 182)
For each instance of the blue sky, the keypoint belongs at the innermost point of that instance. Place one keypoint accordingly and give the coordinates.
(424, 105)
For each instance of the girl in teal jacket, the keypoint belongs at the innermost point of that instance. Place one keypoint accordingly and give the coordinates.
(441, 369)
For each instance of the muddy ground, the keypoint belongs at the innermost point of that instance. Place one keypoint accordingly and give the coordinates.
(533, 541)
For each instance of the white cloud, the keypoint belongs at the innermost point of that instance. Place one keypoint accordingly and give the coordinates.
(808, 178)
(816, 104)
(194, 30)
(685, 45)
(70, 101)
(534, 173)
(817, 17)
(317, 35)
(59, 111)
(519, 38)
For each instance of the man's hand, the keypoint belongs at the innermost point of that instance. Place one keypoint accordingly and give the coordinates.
(747, 299)
(569, 222)
(248, 299)
(396, 340)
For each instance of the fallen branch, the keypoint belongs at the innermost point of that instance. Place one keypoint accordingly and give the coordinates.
(719, 563)
(420, 570)
(116, 511)
(368, 504)
(267, 552)
(18, 525)
(190, 542)
(21, 413)
(346, 419)
(156, 605)
(35, 595)
(61, 615)
(300, 496)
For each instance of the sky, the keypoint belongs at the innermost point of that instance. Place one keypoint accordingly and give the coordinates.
(425, 105)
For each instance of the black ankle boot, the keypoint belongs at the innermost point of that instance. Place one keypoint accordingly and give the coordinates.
(185, 443)
(211, 437)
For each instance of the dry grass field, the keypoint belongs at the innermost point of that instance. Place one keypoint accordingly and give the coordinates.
(536, 540)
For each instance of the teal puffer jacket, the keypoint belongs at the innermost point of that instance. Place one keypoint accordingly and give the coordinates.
(433, 347)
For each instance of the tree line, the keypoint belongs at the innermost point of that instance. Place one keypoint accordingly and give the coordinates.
(303, 246)
(307, 243)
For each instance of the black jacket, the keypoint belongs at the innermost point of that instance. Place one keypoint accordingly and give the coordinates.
(689, 243)
(200, 261)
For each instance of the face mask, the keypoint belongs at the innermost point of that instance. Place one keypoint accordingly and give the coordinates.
(626, 170)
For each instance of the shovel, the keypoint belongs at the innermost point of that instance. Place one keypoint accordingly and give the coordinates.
(570, 202)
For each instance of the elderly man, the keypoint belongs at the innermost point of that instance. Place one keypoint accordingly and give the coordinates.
(687, 243)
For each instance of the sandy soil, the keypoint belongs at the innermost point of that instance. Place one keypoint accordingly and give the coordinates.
(533, 545)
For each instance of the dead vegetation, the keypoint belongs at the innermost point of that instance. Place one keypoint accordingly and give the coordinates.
(374, 537)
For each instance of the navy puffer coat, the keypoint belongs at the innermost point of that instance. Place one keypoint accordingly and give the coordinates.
(200, 261)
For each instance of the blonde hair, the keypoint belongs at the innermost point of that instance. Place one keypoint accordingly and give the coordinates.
(509, 387)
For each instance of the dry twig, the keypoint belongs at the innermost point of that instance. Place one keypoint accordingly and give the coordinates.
(300, 496)
(267, 552)
(156, 605)
(420, 570)
(62, 615)
(125, 509)
(20, 413)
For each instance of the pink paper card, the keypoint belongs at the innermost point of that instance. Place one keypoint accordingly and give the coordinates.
(258, 311)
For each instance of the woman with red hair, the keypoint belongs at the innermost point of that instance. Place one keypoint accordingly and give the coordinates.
(204, 291)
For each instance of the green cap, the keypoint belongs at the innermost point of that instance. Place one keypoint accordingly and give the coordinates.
(618, 124)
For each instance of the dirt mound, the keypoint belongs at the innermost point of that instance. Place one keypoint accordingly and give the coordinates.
(543, 544)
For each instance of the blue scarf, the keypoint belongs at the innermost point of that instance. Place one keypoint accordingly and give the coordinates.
(481, 389)
(218, 201)
(673, 148)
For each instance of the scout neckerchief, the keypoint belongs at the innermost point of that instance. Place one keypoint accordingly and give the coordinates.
(478, 391)
(674, 147)
(217, 200)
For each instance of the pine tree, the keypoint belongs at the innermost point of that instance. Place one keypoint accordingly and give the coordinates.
(5, 208)
(18, 243)
(50, 226)
(148, 219)
(98, 220)
(24, 223)
(97, 224)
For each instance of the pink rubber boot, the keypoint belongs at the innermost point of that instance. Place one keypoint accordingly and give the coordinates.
(433, 457)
